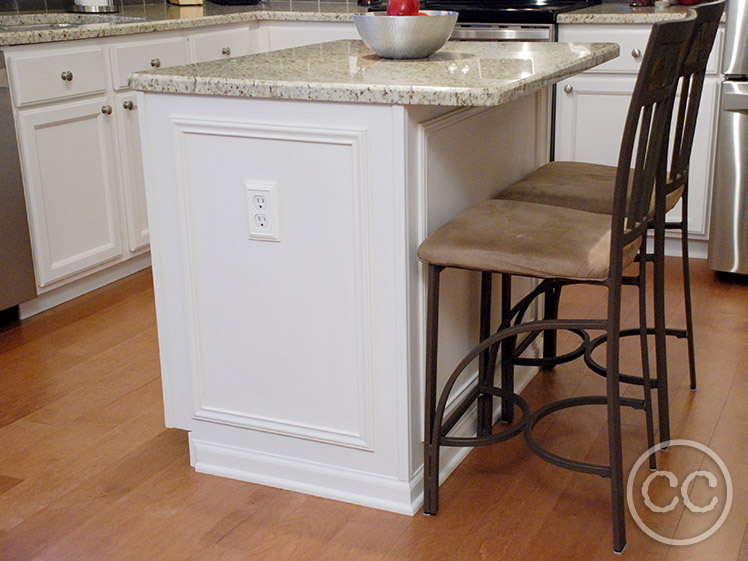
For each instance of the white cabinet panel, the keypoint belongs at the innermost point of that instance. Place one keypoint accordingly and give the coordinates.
(286, 35)
(64, 73)
(223, 43)
(590, 113)
(131, 161)
(72, 187)
(144, 55)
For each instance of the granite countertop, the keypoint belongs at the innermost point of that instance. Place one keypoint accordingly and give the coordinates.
(460, 74)
(622, 13)
(160, 16)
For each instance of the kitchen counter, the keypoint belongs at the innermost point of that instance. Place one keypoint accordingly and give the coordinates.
(287, 194)
(461, 73)
(146, 18)
(622, 13)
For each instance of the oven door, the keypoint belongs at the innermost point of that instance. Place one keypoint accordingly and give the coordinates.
(503, 32)
(728, 231)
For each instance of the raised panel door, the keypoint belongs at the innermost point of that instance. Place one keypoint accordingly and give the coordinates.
(70, 179)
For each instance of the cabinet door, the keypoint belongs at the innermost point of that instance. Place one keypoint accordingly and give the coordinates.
(286, 35)
(68, 160)
(216, 45)
(131, 160)
(590, 114)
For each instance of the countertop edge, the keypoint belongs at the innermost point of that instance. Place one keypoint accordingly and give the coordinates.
(382, 93)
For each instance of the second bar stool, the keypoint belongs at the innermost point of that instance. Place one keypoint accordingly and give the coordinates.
(590, 187)
(559, 245)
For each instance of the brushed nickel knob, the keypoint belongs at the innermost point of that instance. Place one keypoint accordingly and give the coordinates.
(129, 105)
(67, 76)
(568, 88)
(636, 53)
(226, 51)
(106, 109)
(156, 62)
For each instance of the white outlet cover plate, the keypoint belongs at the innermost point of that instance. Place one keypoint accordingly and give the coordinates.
(264, 223)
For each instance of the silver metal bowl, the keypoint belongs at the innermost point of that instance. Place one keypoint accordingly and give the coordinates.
(405, 36)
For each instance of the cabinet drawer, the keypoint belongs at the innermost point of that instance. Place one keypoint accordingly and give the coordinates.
(144, 55)
(63, 74)
(632, 41)
(215, 45)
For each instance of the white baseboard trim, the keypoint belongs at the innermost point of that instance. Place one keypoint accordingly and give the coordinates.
(77, 288)
(320, 480)
(332, 482)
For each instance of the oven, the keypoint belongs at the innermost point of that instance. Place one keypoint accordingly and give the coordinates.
(503, 32)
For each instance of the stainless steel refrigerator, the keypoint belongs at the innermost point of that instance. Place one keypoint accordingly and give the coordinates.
(728, 232)
(17, 282)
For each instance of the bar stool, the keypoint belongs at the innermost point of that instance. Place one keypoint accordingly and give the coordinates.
(558, 245)
(590, 187)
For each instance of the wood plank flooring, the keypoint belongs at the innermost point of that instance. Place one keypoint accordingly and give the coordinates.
(89, 473)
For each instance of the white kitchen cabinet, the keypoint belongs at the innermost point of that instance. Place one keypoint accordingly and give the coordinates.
(71, 186)
(275, 35)
(591, 110)
(131, 165)
(220, 43)
(83, 168)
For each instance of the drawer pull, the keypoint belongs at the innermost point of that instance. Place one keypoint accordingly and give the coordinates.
(106, 109)
(636, 53)
(129, 105)
(226, 51)
(568, 88)
(67, 76)
(156, 62)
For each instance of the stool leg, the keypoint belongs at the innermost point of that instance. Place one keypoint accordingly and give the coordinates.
(550, 311)
(659, 318)
(507, 349)
(430, 433)
(687, 289)
(485, 364)
(614, 415)
(646, 382)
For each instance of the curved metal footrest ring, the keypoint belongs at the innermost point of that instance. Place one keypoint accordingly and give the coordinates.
(555, 459)
(597, 368)
(548, 363)
(506, 434)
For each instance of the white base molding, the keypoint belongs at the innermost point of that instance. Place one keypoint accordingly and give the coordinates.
(48, 300)
(331, 482)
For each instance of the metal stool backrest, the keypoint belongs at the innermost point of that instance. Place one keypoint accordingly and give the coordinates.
(692, 83)
(646, 131)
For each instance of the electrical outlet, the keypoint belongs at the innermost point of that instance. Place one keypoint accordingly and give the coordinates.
(262, 201)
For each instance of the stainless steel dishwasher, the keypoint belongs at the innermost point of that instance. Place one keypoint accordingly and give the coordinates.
(17, 283)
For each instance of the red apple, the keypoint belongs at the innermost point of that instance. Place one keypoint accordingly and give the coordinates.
(403, 7)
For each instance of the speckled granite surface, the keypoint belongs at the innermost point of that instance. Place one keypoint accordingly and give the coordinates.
(460, 74)
(622, 14)
(146, 18)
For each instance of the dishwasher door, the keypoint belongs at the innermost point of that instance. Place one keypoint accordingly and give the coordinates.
(728, 232)
(17, 282)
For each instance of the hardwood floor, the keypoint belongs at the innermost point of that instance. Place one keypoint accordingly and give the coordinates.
(89, 473)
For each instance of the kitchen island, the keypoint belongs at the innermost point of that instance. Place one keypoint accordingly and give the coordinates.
(287, 193)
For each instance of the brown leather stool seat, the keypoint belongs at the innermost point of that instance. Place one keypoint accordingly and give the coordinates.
(526, 239)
